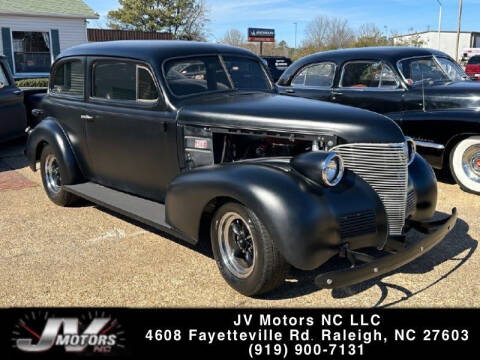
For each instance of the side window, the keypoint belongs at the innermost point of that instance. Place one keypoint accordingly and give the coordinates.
(115, 81)
(146, 89)
(68, 79)
(368, 74)
(318, 75)
(3, 78)
(118, 80)
(388, 79)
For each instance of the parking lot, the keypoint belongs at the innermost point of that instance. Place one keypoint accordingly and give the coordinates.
(88, 256)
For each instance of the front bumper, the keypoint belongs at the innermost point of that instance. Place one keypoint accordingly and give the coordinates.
(383, 265)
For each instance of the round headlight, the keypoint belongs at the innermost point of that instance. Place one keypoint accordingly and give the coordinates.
(332, 169)
(411, 149)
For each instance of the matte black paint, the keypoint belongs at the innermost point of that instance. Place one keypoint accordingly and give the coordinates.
(439, 113)
(49, 131)
(302, 217)
(352, 275)
(140, 149)
(269, 111)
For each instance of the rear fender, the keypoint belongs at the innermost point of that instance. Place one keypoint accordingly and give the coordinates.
(50, 132)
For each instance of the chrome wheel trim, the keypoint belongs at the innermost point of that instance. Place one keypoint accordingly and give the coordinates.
(471, 162)
(52, 174)
(237, 245)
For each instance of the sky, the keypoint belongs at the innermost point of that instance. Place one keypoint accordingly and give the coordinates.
(389, 15)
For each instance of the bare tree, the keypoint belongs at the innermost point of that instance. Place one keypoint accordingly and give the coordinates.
(195, 27)
(233, 37)
(370, 35)
(325, 32)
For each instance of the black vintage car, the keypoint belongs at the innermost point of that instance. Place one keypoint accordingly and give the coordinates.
(270, 180)
(423, 90)
(15, 105)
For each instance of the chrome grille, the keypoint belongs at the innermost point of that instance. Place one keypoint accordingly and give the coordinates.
(384, 167)
(411, 202)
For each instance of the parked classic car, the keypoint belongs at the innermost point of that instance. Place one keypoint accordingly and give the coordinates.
(272, 180)
(276, 65)
(423, 90)
(15, 105)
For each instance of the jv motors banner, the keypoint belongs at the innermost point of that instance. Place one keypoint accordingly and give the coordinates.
(62, 333)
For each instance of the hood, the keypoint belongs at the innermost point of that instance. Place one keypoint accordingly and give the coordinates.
(270, 111)
(455, 95)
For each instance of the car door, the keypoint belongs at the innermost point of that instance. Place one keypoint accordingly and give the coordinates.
(371, 85)
(314, 81)
(131, 135)
(13, 118)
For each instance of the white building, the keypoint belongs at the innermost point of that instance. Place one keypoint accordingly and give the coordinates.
(34, 32)
(448, 40)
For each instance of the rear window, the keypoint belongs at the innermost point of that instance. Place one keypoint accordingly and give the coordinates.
(69, 79)
(474, 60)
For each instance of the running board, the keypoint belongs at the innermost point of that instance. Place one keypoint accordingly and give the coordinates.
(145, 211)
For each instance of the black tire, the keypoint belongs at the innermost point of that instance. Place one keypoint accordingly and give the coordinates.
(461, 168)
(269, 267)
(59, 197)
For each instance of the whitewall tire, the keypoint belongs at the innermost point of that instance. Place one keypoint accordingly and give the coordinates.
(465, 164)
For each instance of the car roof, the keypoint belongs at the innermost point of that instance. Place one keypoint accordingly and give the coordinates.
(392, 53)
(153, 51)
(387, 53)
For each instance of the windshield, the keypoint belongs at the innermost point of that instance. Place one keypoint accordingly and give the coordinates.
(430, 69)
(203, 74)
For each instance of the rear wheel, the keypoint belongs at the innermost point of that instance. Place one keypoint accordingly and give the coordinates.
(465, 164)
(52, 168)
(246, 255)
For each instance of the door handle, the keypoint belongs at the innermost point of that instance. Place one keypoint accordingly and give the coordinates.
(290, 91)
(335, 94)
(86, 117)
(18, 92)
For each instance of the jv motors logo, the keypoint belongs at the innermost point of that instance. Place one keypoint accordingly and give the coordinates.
(38, 332)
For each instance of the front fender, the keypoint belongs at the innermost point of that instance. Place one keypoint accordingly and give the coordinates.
(304, 219)
(422, 181)
(50, 132)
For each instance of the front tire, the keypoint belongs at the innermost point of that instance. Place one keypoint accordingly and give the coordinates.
(52, 168)
(465, 164)
(246, 255)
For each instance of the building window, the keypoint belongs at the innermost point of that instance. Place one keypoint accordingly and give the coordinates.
(31, 51)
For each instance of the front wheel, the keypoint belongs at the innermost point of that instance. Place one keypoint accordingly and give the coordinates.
(246, 255)
(51, 168)
(465, 164)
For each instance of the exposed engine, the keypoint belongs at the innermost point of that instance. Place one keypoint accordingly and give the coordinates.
(240, 147)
